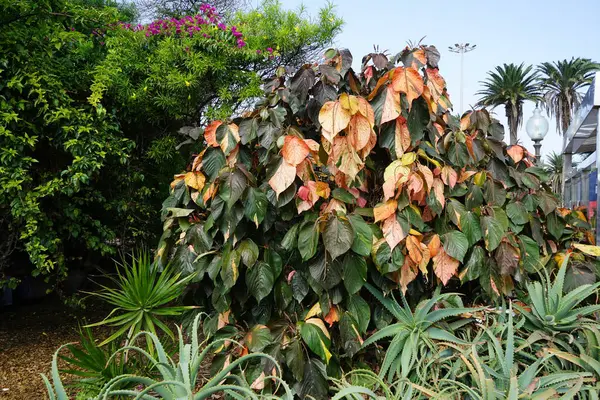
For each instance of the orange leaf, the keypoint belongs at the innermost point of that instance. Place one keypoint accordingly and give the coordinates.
(449, 176)
(333, 118)
(345, 158)
(391, 105)
(283, 177)
(294, 150)
(332, 316)
(418, 58)
(444, 266)
(312, 145)
(384, 210)
(365, 109)
(401, 136)
(392, 231)
(435, 83)
(434, 245)
(195, 180)
(427, 175)
(438, 190)
(413, 245)
(408, 273)
(210, 192)
(464, 175)
(359, 131)
(408, 81)
(210, 133)
(465, 121)
(197, 163)
(382, 81)
(516, 152)
(415, 185)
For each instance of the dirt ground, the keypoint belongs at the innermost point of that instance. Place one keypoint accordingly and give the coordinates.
(29, 336)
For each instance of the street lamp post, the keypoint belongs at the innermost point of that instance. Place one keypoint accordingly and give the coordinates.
(537, 127)
(462, 48)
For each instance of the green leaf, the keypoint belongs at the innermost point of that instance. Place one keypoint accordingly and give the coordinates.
(338, 236)
(314, 383)
(578, 275)
(343, 196)
(547, 202)
(230, 269)
(212, 162)
(555, 225)
(290, 240)
(530, 254)
(349, 335)
(283, 295)
(470, 226)
(474, 197)
(299, 286)
(494, 193)
(248, 252)
(355, 272)
(294, 358)
(455, 211)
(308, 240)
(325, 273)
(456, 244)
(363, 239)
(315, 339)
(227, 138)
(474, 265)
(360, 311)
(233, 187)
(273, 258)
(517, 213)
(255, 206)
(260, 280)
(258, 338)
(492, 232)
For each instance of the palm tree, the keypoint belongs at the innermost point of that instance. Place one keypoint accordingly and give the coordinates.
(553, 167)
(562, 82)
(510, 85)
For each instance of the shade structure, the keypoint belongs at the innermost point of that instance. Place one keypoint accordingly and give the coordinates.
(580, 183)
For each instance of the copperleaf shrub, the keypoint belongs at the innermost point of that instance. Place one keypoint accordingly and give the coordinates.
(339, 178)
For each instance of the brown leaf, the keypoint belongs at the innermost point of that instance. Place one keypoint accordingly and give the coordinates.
(444, 266)
(294, 150)
(383, 211)
(507, 258)
(392, 231)
(408, 81)
(283, 177)
(210, 133)
(333, 118)
(464, 175)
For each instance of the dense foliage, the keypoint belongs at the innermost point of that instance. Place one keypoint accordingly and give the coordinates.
(93, 108)
(337, 179)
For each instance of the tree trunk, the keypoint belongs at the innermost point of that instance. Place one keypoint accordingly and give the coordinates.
(511, 116)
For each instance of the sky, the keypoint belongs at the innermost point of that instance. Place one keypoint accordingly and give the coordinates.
(529, 31)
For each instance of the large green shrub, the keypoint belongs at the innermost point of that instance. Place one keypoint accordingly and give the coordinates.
(338, 178)
(92, 109)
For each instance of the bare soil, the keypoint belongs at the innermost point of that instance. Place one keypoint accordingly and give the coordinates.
(29, 336)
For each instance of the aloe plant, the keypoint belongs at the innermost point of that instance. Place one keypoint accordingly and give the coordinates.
(552, 311)
(414, 332)
(178, 380)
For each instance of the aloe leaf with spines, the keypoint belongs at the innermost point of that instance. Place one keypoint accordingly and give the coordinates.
(413, 332)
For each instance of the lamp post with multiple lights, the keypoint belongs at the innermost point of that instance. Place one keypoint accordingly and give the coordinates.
(462, 48)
